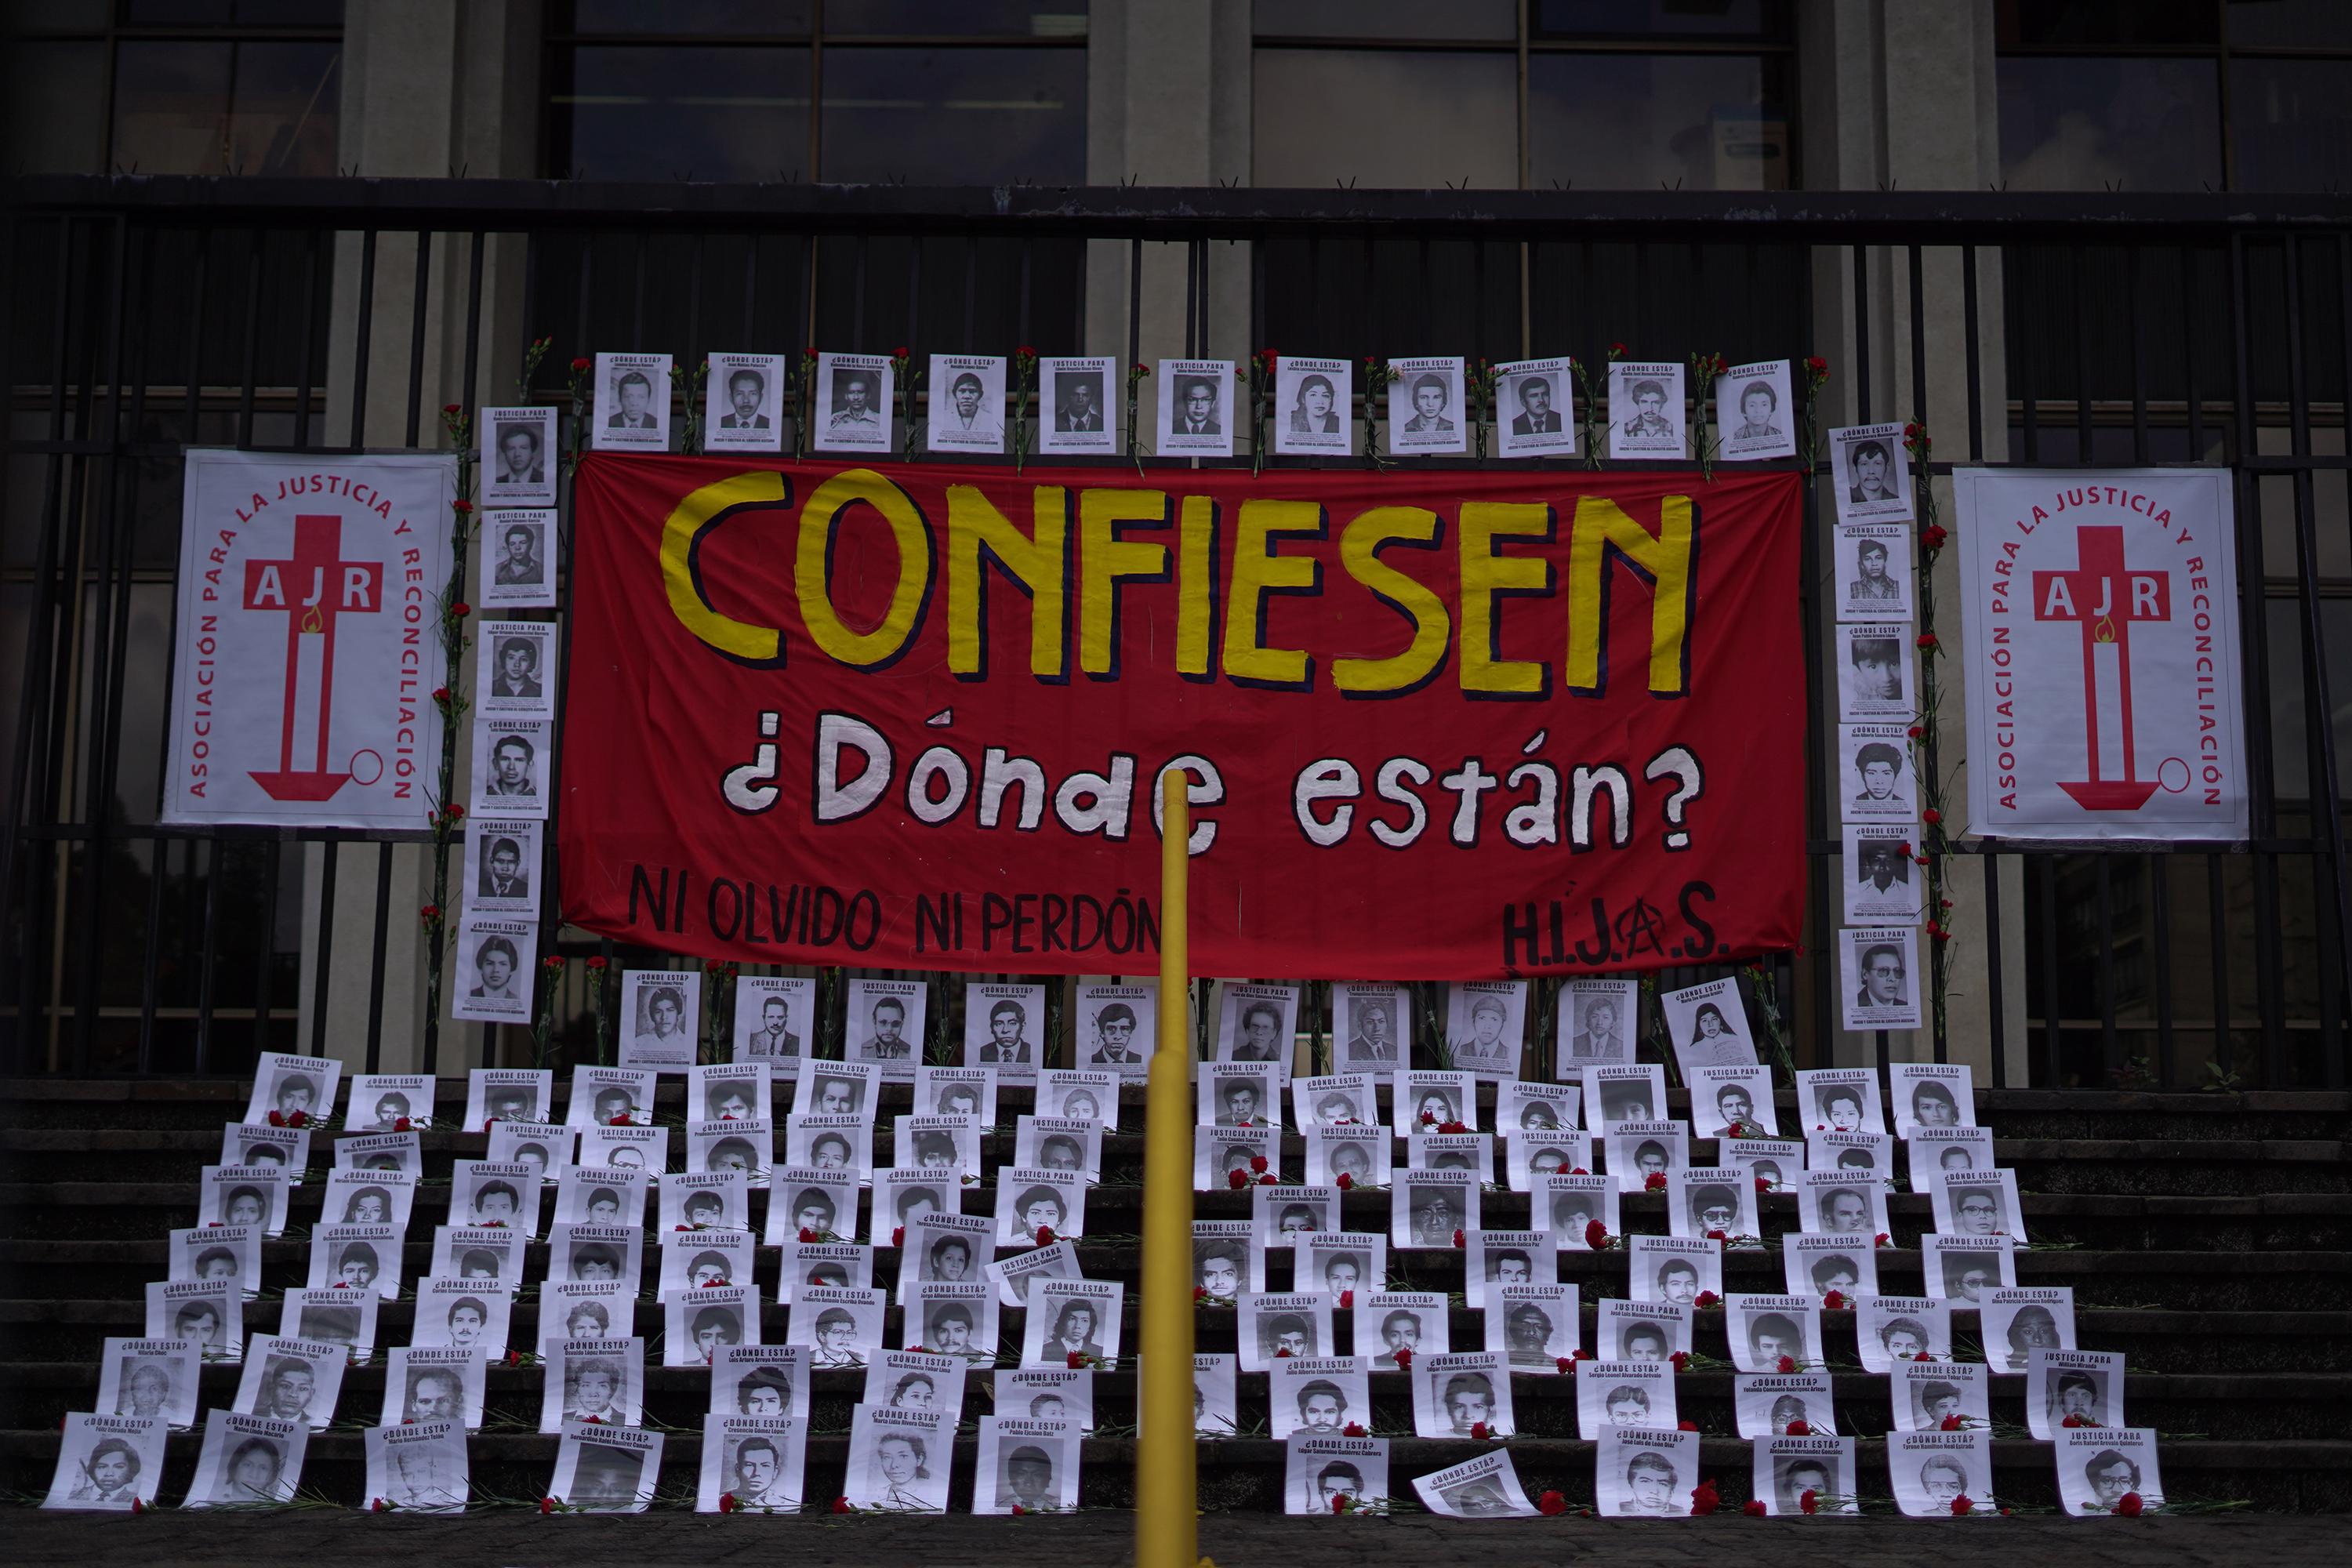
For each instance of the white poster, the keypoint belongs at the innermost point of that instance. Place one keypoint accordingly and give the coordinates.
(1753, 419)
(1531, 409)
(745, 411)
(2101, 647)
(1074, 406)
(1425, 406)
(1196, 407)
(1645, 410)
(1311, 402)
(518, 552)
(517, 452)
(300, 577)
(967, 408)
(853, 404)
(631, 413)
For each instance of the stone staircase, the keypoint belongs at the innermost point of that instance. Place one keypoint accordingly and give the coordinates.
(2208, 1238)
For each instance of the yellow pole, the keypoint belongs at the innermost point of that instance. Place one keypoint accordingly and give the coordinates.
(1167, 1480)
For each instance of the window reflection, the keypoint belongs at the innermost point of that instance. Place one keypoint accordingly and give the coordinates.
(2073, 124)
(679, 111)
(2291, 123)
(1385, 119)
(1701, 122)
(191, 108)
(56, 117)
(944, 117)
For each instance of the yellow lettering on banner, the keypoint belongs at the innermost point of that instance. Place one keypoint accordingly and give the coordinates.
(1485, 578)
(1663, 559)
(1360, 546)
(1105, 560)
(1035, 561)
(1196, 584)
(695, 517)
(1259, 573)
(819, 517)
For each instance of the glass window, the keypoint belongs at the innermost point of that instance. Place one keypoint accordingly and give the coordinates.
(2290, 123)
(1659, 18)
(949, 116)
(2291, 24)
(1462, 20)
(232, 13)
(1383, 118)
(681, 18)
(185, 107)
(1704, 122)
(56, 113)
(957, 19)
(2103, 23)
(674, 112)
(2076, 124)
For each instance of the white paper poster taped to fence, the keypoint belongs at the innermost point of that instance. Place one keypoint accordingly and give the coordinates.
(307, 644)
(2101, 654)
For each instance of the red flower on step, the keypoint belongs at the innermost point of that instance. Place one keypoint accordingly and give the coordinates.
(1346, 1182)
(2078, 1421)
(1762, 1185)
(1681, 1360)
(841, 1505)
(1961, 1505)
(1481, 1431)
(1596, 1234)
(1457, 1239)
(1654, 1182)
(1352, 1429)
(623, 1120)
(1834, 1301)
(549, 1504)
(1257, 1163)
(1045, 1235)
(1705, 1500)
(1753, 1508)
(1199, 1292)
(898, 1235)
(1809, 1502)
(1707, 1299)
(1883, 1240)
(726, 1503)
(1237, 1179)
(809, 1234)
(2129, 1505)
(1788, 1364)
(379, 1506)
(1283, 1353)
(400, 1124)
(1552, 1505)
(1952, 1423)
(1686, 1426)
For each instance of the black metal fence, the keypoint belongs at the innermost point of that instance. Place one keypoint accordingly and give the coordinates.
(148, 315)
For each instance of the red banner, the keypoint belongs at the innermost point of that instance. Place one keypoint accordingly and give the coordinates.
(1439, 724)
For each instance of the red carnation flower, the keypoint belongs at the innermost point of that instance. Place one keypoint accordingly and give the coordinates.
(1596, 1234)
(1579, 1171)
(514, 1358)
(898, 352)
(1045, 1235)
(1339, 1503)
(1753, 1508)
(1457, 1238)
(1566, 1363)
(1455, 1126)
(400, 1124)
(1800, 1428)
(1654, 1182)
(1762, 1185)
(1788, 1364)
(462, 507)
(840, 1504)
(809, 1234)
(1917, 730)
(1481, 1431)
(2129, 1505)
(1882, 1239)
(1199, 1292)
(1402, 1356)
(1707, 1299)
(1818, 365)
(1717, 1234)
(1077, 1361)
(1346, 1182)
(1931, 817)
(1552, 1505)
(549, 1504)
(1686, 1426)
(278, 1118)
(1961, 1505)
(1705, 1500)
(2078, 1421)
(1581, 1353)
(1809, 1502)
(581, 364)
(378, 1506)
(1347, 1299)
(461, 610)
(1834, 1301)
(1020, 1511)
(440, 694)
(1269, 1179)
(1258, 1161)
(1429, 1118)
(1681, 1360)
(623, 1120)
(1923, 1355)
(726, 1503)
(1927, 640)
(1952, 1423)
(1237, 1179)
(1282, 1353)
(599, 962)
(1352, 1429)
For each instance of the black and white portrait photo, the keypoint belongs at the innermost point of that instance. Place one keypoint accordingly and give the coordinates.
(247, 1460)
(1839, 1100)
(1360, 1153)
(1874, 671)
(1926, 1395)
(1787, 1468)
(433, 1383)
(1486, 1487)
(1323, 1473)
(772, 1014)
(746, 397)
(2016, 1323)
(1372, 1027)
(1540, 1108)
(1533, 415)
(1492, 1258)
(1736, 1097)
(761, 1382)
(105, 1463)
(1256, 1024)
(957, 1318)
(1425, 1102)
(1280, 1327)
(836, 1089)
(459, 1314)
(1312, 401)
(1931, 1097)
(1874, 572)
(899, 1460)
(1708, 1026)
(289, 1085)
(2099, 1467)
(1425, 407)
(1074, 410)
(1631, 1091)
(1059, 1144)
(1427, 1207)
(1765, 1404)
(1005, 1028)
(742, 1090)
(1240, 1095)
(519, 457)
(631, 411)
(843, 1325)
(418, 1469)
(1881, 883)
(2078, 1388)
(516, 574)
(497, 958)
(601, 1375)
(852, 411)
(1870, 474)
(1850, 1204)
(754, 1462)
(1486, 1025)
(966, 406)
(1455, 1395)
(514, 674)
(1876, 966)
(1338, 1262)
(511, 757)
(660, 1018)
(1611, 1391)
(1754, 418)
(152, 1377)
(1595, 1027)
(293, 1380)
(1645, 410)
(599, 1471)
(1892, 1330)
(1966, 1269)
(208, 1312)
(1977, 1204)
(1025, 1464)
(1196, 407)
(1645, 1473)
(1337, 1100)
(886, 1025)
(1533, 1325)
(1115, 1030)
(1073, 1317)
(1876, 781)
(1387, 1322)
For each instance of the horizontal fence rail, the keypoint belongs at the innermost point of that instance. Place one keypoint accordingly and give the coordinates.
(148, 315)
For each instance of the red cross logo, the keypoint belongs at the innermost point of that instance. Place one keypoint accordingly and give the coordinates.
(312, 588)
(2105, 598)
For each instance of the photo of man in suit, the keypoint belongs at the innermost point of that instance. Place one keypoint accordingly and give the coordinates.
(775, 1038)
(502, 874)
(1882, 977)
(1115, 1035)
(1197, 414)
(636, 395)
(520, 461)
(1007, 1021)
(1597, 1041)
(1079, 403)
(747, 389)
(1537, 417)
(1372, 1041)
